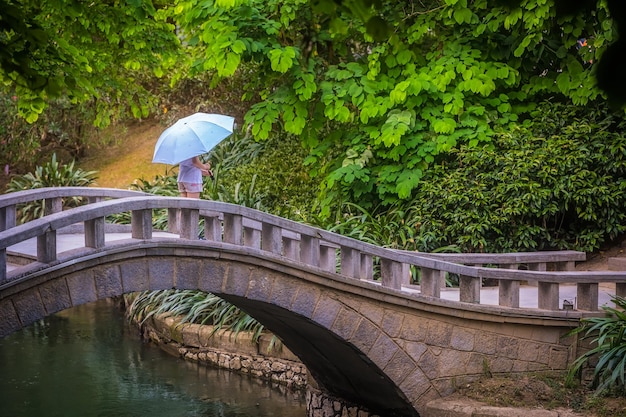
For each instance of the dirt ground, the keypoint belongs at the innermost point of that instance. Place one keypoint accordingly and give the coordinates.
(550, 392)
(543, 392)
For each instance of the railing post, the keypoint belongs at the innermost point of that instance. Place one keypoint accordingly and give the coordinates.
(233, 229)
(251, 237)
(172, 220)
(430, 282)
(548, 294)
(53, 205)
(141, 224)
(350, 262)
(94, 233)
(367, 267)
(3, 266)
(188, 227)
(328, 257)
(310, 250)
(391, 274)
(271, 238)
(47, 247)
(291, 248)
(469, 289)
(212, 228)
(508, 293)
(620, 289)
(7, 217)
(587, 296)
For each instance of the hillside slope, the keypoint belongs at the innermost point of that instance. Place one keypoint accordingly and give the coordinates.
(129, 159)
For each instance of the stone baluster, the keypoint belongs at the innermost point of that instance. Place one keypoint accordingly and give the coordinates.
(310, 251)
(3, 266)
(469, 289)
(508, 293)
(538, 266)
(47, 247)
(141, 224)
(233, 229)
(53, 205)
(188, 227)
(367, 267)
(587, 296)
(252, 236)
(271, 238)
(430, 282)
(620, 289)
(548, 295)
(565, 266)
(391, 273)
(212, 227)
(291, 246)
(94, 233)
(350, 262)
(8, 217)
(172, 220)
(328, 257)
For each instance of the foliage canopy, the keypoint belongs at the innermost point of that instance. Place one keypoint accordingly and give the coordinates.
(449, 73)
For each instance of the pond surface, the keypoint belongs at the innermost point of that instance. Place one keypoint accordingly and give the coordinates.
(87, 361)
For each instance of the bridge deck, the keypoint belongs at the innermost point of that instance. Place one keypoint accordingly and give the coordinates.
(488, 295)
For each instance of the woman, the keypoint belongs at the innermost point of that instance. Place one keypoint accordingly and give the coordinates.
(190, 172)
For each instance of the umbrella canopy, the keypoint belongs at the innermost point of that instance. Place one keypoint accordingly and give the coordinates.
(192, 136)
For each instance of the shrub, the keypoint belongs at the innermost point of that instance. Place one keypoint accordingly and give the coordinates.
(558, 184)
(51, 174)
(608, 334)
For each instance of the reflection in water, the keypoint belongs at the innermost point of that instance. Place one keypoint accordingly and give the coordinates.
(87, 362)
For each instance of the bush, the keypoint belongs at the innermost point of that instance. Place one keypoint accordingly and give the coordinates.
(609, 336)
(51, 174)
(558, 184)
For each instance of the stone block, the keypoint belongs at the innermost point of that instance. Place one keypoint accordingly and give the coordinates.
(10, 321)
(186, 273)
(55, 295)
(161, 273)
(211, 276)
(82, 287)
(462, 339)
(400, 365)
(135, 276)
(284, 291)
(260, 285)
(237, 279)
(346, 323)
(29, 306)
(326, 312)
(108, 281)
(392, 322)
(383, 350)
(365, 335)
(305, 301)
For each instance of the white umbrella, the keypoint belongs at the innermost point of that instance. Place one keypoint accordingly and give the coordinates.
(192, 136)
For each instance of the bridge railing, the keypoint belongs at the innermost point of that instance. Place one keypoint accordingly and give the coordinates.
(53, 198)
(317, 249)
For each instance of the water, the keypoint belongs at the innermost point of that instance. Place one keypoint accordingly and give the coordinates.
(87, 362)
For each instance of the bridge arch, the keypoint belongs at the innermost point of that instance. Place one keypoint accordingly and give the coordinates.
(384, 351)
(344, 306)
(314, 322)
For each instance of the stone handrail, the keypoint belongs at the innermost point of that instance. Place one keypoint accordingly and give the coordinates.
(315, 248)
(53, 199)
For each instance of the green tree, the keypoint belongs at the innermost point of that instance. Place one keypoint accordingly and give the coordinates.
(387, 104)
(85, 51)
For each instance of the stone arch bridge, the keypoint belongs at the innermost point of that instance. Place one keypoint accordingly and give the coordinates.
(368, 333)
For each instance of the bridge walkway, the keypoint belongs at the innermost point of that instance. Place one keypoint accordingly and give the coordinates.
(488, 295)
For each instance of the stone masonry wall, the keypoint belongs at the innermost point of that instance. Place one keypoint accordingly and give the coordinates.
(194, 343)
(239, 354)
